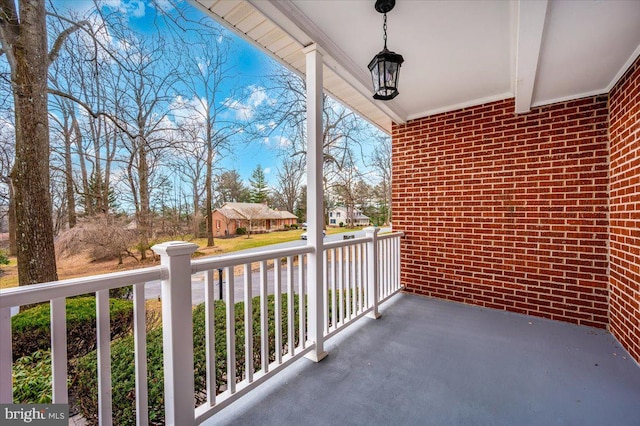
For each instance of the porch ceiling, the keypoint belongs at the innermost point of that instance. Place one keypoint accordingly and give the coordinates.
(456, 54)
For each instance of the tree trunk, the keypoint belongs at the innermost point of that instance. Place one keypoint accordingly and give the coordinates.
(13, 248)
(86, 187)
(209, 208)
(70, 189)
(197, 217)
(30, 174)
(209, 189)
(143, 216)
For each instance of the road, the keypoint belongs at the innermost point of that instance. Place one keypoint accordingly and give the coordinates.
(152, 289)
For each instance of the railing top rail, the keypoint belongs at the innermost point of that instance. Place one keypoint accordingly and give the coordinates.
(223, 261)
(390, 235)
(37, 293)
(345, 243)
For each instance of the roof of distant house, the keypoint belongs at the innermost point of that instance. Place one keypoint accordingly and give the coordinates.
(246, 211)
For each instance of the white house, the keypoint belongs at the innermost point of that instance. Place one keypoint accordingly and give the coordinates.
(342, 215)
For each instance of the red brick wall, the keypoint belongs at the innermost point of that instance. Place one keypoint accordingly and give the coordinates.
(507, 211)
(624, 134)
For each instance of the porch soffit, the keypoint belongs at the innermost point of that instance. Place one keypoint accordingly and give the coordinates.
(286, 44)
(457, 54)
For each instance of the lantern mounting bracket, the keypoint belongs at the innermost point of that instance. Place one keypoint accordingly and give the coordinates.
(384, 6)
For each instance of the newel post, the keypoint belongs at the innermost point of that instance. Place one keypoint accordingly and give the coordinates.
(372, 271)
(177, 332)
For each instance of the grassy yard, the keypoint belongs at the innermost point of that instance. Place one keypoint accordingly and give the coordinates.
(79, 266)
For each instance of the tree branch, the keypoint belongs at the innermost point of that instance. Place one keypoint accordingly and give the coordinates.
(57, 45)
(9, 29)
(91, 112)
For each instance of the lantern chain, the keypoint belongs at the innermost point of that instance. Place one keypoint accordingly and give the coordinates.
(384, 27)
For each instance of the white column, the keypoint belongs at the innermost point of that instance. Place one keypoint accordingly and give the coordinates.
(177, 332)
(315, 210)
(372, 271)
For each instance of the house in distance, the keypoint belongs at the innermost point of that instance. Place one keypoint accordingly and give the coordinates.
(253, 217)
(355, 217)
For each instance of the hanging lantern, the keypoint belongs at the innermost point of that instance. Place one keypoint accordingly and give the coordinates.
(385, 66)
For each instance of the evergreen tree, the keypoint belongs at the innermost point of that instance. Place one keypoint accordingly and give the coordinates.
(259, 188)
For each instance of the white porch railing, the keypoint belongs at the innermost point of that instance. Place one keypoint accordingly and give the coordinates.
(358, 275)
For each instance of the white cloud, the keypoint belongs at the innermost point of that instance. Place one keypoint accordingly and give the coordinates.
(247, 109)
(189, 111)
(164, 6)
(267, 170)
(284, 142)
(131, 8)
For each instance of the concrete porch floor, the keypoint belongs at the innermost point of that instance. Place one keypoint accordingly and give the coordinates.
(432, 362)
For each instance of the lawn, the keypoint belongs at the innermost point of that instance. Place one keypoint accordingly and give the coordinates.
(79, 266)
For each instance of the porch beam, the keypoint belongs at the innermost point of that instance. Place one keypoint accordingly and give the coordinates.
(531, 19)
(315, 200)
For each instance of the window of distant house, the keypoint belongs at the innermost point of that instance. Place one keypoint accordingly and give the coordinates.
(338, 214)
(330, 214)
(332, 221)
(217, 224)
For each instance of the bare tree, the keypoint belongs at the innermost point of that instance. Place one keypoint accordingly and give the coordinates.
(345, 187)
(342, 128)
(24, 44)
(146, 98)
(7, 212)
(380, 161)
(290, 174)
(64, 130)
(208, 72)
(189, 160)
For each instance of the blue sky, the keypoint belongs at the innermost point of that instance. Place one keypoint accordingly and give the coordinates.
(250, 66)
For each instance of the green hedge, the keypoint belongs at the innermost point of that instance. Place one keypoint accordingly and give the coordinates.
(122, 365)
(32, 379)
(32, 327)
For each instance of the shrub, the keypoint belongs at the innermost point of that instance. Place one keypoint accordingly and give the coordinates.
(123, 373)
(101, 237)
(32, 379)
(294, 226)
(125, 292)
(32, 327)
(241, 231)
(4, 260)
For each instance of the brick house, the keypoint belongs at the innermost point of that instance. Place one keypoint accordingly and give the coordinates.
(258, 218)
(534, 213)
